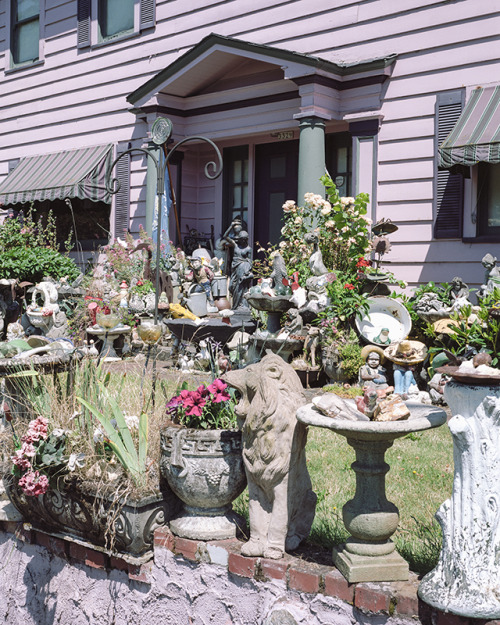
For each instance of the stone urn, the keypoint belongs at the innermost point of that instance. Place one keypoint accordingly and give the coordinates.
(204, 468)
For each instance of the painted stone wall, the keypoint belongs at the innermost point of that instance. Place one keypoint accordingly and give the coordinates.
(39, 587)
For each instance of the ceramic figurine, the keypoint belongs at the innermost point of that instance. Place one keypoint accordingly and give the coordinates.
(405, 355)
(202, 276)
(492, 277)
(316, 264)
(372, 374)
(383, 337)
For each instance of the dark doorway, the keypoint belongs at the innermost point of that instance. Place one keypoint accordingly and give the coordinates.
(276, 171)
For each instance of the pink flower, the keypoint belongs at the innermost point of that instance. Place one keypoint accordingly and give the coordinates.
(34, 484)
(218, 388)
(194, 404)
(28, 449)
(20, 460)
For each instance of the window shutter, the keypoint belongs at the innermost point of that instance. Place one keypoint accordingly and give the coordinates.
(449, 186)
(148, 10)
(83, 28)
(122, 198)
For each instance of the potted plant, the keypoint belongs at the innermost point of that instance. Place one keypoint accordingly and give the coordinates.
(201, 458)
(91, 478)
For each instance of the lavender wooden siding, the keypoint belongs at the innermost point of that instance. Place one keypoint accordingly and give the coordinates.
(77, 97)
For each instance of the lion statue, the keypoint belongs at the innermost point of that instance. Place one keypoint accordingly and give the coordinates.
(281, 501)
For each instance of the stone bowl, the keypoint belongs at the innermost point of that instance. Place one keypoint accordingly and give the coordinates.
(268, 303)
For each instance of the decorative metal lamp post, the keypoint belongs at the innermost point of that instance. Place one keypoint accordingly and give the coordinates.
(160, 134)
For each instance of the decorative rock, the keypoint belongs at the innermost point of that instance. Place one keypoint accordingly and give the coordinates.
(466, 580)
(336, 407)
(391, 409)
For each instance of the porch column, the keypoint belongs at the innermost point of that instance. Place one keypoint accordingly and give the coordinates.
(365, 157)
(311, 157)
(151, 187)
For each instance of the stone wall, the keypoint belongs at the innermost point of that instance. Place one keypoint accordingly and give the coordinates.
(47, 579)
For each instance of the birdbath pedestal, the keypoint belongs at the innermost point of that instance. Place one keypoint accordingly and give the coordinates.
(108, 352)
(369, 553)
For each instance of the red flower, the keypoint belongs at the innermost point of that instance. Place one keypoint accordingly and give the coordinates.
(349, 286)
(362, 262)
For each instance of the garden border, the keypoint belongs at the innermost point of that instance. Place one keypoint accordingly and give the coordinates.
(389, 599)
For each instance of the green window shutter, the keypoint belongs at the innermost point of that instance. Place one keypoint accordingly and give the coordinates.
(122, 198)
(83, 26)
(449, 187)
(148, 14)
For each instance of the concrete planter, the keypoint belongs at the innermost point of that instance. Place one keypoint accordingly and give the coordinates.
(86, 516)
(204, 468)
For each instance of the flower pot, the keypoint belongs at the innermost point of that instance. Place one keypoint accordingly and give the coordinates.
(88, 516)
(204, 468)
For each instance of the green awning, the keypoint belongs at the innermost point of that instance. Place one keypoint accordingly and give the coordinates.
(76, 173)
(476, 135)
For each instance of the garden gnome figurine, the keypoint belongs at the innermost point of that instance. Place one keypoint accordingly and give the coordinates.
(372, 374)
(405, 355)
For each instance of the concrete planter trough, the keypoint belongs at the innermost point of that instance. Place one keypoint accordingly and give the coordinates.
(130, 525)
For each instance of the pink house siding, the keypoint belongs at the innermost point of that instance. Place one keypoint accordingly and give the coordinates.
(77, 97)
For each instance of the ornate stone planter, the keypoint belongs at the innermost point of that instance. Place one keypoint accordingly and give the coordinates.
(205, 470)
(129, 525)
(466, 580)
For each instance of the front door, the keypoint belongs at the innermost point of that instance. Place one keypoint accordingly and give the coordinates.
(276, 172)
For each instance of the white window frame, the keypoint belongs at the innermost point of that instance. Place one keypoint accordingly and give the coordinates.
(10, 66)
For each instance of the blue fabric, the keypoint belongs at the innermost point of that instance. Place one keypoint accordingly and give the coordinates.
(166, 204)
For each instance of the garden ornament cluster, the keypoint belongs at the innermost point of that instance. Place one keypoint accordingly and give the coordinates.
(281, 501)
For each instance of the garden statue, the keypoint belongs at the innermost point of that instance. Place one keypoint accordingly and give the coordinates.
(202, 276)
(241, 264)
(47, 319)
(279, 273)
(492, 277)
(293, 324)
(372, 374)
(383, 337)
(281, 501)
(405, 355)
(311, 344)
(316, 264)
(459, 294)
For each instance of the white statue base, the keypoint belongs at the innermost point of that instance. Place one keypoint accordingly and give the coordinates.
(466, 580)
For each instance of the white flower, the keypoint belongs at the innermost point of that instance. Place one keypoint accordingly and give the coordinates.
(132, 422)
(345, 201)
(76, 460)
(75, 415)
(330, 224)
(326, 211)
(282, 244)
(58, 433)
(297, 220)
(288, 206)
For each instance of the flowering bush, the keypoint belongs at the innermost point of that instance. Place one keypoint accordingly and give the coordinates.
(208, 407)
(39, 457)
(342, 226)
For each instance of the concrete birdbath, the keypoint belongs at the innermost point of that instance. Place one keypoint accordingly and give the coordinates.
(369, 553)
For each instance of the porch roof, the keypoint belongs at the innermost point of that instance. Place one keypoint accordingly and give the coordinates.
(74, 173)
(476, 135)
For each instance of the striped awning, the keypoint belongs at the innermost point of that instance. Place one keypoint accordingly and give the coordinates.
(73, 174)
(476, 135)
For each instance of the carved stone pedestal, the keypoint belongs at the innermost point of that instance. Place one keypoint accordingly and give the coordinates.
(466, 580)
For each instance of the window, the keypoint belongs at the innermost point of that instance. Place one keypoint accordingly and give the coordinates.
(116, 17)
(488, 199)
(338, 161)
(102, 21)
(236, 185)
(25, 32)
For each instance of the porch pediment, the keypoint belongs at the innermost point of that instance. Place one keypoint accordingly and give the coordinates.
(222, 71)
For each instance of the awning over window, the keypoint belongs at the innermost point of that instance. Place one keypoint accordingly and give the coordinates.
(476, 135)
(75, 173)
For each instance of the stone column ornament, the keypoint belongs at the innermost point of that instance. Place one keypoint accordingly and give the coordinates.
(466, 580)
